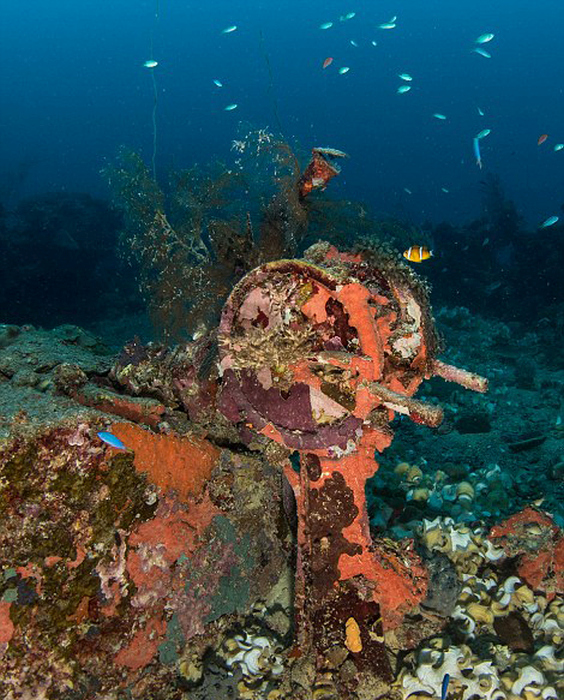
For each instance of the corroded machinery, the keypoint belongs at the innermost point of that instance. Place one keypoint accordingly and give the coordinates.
(319, 355)
(165, 570)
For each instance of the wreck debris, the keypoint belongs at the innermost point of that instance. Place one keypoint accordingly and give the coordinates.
(322, 167)
(318, 358)
(468, 380)
(418, 411)
(127, 564)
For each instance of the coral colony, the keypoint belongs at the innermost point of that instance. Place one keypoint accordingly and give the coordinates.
(192, 522)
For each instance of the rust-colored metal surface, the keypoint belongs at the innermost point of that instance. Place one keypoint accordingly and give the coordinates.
(319, 358)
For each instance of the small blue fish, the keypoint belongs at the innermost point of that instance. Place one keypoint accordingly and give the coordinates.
(549, 222)
(444, 686)
(477, 153)
(111, 440)
(485, 38)
(482, 52)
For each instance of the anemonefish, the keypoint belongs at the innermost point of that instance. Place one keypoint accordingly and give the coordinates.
(417, 253)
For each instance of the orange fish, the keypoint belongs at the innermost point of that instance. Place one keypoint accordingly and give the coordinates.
(417, 253)
(542, 139)
(327, 62)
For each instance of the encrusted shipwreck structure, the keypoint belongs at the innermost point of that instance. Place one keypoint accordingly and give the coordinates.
(318, 355)
(227, 552)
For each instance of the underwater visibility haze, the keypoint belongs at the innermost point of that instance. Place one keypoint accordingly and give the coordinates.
(281, 368)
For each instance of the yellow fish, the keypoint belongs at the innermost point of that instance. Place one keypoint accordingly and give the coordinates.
(417, 253)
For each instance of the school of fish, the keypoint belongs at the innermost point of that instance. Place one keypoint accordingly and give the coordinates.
(415, 253)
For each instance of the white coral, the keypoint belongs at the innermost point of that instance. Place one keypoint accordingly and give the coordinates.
(470, 678)
(530, 678)
(254, 655)
(547, 658)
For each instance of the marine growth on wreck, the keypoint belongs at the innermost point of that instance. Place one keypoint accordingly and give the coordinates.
(240, 544)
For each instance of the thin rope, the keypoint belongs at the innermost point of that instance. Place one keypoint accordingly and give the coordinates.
(155, 95)
(270, 83)
(154, 118)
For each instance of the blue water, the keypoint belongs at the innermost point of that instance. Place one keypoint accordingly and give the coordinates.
(74, 88)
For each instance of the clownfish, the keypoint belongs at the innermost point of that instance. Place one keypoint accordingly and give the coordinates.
(417, 253)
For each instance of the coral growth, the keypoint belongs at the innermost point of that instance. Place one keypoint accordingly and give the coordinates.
(255, 655)
(505, 636)
(183, 464)
(112, 562)
(317, 355)
(533, 537)
(187, 252)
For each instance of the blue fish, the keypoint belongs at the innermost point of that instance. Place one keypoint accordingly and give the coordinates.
(549, 222)
(444, 687)
(476, 143)
(111, 440)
